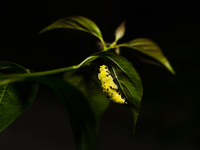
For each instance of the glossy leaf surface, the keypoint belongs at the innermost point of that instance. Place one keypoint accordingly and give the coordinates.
(128, 80)
(150, 49)
(15, 98)
(77, 23)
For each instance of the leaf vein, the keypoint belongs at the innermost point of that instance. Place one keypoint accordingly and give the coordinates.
(4, 91)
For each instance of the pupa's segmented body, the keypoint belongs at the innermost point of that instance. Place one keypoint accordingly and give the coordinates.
(109, 86)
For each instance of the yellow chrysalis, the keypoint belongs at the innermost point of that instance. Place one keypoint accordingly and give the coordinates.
(109, 86)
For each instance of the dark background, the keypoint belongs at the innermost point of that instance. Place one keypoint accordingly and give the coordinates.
(169, 117)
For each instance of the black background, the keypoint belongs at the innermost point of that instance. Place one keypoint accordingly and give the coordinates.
(169, 117)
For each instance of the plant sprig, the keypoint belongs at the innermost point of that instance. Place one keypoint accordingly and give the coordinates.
(79, 87)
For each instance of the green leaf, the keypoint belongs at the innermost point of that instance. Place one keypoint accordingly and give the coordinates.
(78, 23)
(15, 98)
(150, 49)
(128, 80)
(127, 77)
(82, 118)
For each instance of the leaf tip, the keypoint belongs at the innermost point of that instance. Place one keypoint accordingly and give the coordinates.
(42, 31)
(172, 71)
(169, 67)
(133, 131)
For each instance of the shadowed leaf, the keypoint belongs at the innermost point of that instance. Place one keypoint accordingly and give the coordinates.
(82, 118)
(85, 79)
(15, 98)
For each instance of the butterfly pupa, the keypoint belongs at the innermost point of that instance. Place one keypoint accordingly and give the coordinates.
(108, 85)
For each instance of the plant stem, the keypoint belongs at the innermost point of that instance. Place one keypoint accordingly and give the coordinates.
(104, 45)
(34, 74)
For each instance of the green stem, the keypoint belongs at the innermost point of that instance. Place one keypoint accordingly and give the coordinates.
(34, 74)
(49, 72)
(104, 45)
(108, 48)
(113, 46)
